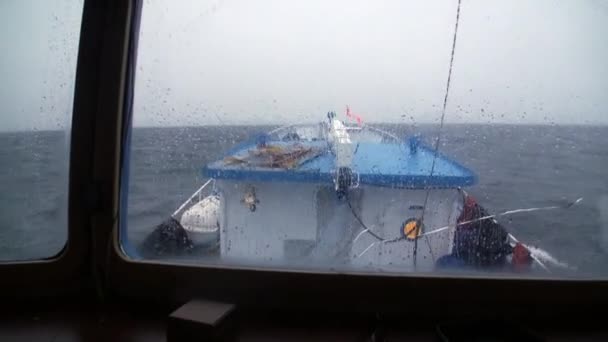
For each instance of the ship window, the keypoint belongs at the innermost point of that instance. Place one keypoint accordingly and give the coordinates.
(39, 48)
(384, 136)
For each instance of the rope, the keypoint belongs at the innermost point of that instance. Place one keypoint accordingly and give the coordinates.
(436, 151)
(365, 230)
(488, 217)
(505, 213)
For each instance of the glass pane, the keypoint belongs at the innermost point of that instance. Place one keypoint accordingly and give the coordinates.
(38, 64)
(313, 135)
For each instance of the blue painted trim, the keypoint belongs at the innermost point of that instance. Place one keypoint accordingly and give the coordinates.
(468, 177)
(414, 142)
(417, 182)
(269, 175)
(392, 181)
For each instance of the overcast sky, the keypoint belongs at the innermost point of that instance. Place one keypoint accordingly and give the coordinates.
(280, 61)
(39, 42)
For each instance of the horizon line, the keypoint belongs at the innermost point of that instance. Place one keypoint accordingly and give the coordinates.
(532, 124)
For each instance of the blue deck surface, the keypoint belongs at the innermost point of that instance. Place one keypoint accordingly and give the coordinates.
(379, 164)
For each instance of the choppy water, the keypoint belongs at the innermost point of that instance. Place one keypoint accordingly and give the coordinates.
(518, 167)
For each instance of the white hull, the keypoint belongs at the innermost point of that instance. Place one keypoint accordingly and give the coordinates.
(297, 222)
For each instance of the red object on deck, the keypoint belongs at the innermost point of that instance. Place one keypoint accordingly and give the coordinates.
(521, 258)
(470, 210)
(353, 116)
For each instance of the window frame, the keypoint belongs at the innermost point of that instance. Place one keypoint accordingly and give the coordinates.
(98, 97)
(167, 282)
(101, 123)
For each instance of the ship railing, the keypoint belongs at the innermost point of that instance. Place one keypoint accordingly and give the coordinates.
(197, 194)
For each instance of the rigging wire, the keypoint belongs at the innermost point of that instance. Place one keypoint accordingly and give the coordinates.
(438, 140)
(505, 213)
(436, 151)
(436, 148)
(536, 254)
(365, 228)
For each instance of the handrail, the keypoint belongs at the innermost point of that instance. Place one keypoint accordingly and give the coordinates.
(355, 128)
(381, 131)
(197, 192)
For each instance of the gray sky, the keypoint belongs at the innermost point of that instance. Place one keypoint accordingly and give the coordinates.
(278, 61)
(242, 61)
(39, 40)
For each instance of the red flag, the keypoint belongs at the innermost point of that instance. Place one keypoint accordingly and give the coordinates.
(353, 116)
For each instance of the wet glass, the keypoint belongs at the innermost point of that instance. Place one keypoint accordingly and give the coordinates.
(323, 135)
(38, 66)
